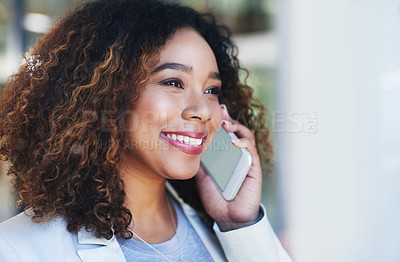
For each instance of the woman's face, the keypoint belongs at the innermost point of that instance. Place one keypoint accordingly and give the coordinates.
(178, 112)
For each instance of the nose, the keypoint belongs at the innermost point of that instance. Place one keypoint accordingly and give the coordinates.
(197, 108)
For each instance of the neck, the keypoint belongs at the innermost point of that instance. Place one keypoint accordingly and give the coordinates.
(149, 204)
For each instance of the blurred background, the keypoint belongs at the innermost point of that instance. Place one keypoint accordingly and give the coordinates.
(329, 75)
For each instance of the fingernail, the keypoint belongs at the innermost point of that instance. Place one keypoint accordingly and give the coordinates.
(227, 122)
(235, 140)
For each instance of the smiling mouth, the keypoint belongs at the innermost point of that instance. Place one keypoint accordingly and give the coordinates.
(188, 142)
(185, 139)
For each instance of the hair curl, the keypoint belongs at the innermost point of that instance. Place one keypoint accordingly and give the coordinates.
(94, 60)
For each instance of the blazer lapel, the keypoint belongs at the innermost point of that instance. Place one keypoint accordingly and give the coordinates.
(93, 249)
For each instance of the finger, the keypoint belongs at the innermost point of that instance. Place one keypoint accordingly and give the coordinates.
(235, 126)
(247, 144)
(204, 181)
(253, 178)
(240, 130)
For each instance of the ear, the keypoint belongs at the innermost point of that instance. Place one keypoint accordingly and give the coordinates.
(225, 114)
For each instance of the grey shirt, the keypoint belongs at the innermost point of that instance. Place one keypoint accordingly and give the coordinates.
(185, 245)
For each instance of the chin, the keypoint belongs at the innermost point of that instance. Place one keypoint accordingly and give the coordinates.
(183, 172)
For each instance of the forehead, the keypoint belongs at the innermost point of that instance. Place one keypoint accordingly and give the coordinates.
(187, 46)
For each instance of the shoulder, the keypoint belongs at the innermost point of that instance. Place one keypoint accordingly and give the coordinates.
(21, 239)
(21, 228)
(23, 224)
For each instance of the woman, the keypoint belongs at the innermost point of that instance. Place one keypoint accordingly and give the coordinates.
(90, 126)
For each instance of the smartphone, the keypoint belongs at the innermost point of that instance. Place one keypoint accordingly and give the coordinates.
(226, 164)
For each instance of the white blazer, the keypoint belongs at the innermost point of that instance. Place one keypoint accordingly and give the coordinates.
(22, 240)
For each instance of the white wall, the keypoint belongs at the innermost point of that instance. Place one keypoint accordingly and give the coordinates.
(341, 183)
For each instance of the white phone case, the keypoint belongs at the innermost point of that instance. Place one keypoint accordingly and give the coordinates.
(226, 164)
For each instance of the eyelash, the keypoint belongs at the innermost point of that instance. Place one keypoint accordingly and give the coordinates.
(178, 84)
(214, 91)
(170, 82)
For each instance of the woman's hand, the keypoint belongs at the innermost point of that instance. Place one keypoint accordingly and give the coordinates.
(243, 210)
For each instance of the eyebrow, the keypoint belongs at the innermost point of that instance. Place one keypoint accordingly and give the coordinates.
(173, 66)
(183, 68)
(215, 75)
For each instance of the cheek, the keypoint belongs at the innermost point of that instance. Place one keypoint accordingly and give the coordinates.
(217, 116)
(153, 110)
(150, 106)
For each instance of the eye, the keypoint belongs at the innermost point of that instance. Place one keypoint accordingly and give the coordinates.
(173, 82)
(213, 91)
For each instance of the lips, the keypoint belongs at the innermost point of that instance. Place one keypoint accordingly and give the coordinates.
(188, 142)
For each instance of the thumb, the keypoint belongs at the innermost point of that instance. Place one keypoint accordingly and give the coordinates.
(205, 185)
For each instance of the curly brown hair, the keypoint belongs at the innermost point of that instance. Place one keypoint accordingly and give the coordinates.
(63, 151)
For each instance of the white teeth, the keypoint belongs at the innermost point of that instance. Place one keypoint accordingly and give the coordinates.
(185, 139)
(195, 142)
